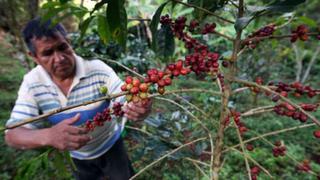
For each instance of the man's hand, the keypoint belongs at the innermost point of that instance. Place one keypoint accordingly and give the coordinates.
(137, 111)
(65, 136)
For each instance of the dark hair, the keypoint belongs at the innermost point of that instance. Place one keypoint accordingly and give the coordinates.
(38, 28)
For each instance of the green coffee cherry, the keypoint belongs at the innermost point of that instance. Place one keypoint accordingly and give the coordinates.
(103, 90)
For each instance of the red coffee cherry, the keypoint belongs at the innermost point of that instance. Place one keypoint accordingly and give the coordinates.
(249, 147)
(135, 82)
(129, 79)
(143, 87)
(316, 133)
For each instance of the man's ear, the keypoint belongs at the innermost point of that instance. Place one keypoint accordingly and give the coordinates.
(33, 57)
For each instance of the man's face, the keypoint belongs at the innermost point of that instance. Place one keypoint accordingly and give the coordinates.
(55, 55)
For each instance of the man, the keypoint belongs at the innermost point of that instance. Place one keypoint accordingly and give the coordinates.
(63, 79)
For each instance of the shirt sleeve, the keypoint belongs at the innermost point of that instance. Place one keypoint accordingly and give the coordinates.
(25, 107)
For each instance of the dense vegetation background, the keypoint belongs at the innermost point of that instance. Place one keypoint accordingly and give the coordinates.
(170, 125)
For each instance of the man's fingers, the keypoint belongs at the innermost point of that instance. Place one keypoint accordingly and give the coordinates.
(137, 108)
(73, 146)
(73, 119)
(131, 115)
(76, 130)
(81, 139)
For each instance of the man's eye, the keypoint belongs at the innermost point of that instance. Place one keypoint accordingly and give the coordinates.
(62, 47)
(47, 53)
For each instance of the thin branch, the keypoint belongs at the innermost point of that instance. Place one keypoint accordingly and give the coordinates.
(119, 64)
(286, 23)
(239, 90)
(197, 161)
(254, 39)
(138, 19)
(299, 58)
(187, 90)
(166, 155)
(198, 167)
(235, 5)
(314, 57)
(50, 113)
(108, 97)
(138, 129)
(257, 110)
(192, 105)
(244, 152)
(265, 88)
(204, 10)
(223, 35)
(271, 134)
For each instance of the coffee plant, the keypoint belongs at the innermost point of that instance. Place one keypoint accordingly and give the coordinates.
(208, 141)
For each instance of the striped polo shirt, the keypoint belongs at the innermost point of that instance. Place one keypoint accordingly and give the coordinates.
(38, 94)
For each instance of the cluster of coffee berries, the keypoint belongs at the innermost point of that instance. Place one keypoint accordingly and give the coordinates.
(255, 170)
(295, 88)
(177, 69)
(259, 81)
(208, 28)
(255, 37)
(203, 62)
(300, 33)
(286, 109)
(100, 118)
(264, 31)
(193, 25)
(304, 166)
(117, 109)
(279, 149)
(163, 78)
(178, 27)
(237, 119)
(137, 90)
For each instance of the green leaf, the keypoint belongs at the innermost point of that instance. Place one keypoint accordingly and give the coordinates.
(84, 26)
(99, 5)
(69, 160)
(63, 1)
(154, 24)
(117, 20)
(308, 21)
(284, 5)
(165, 42)
(104, 29)
(49, 5)
(79, 12)
(277, 6)
(59, 164)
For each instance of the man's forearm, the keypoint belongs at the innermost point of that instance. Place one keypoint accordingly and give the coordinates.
(23, 138)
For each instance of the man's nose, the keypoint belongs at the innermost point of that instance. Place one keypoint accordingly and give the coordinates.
(58, 56)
